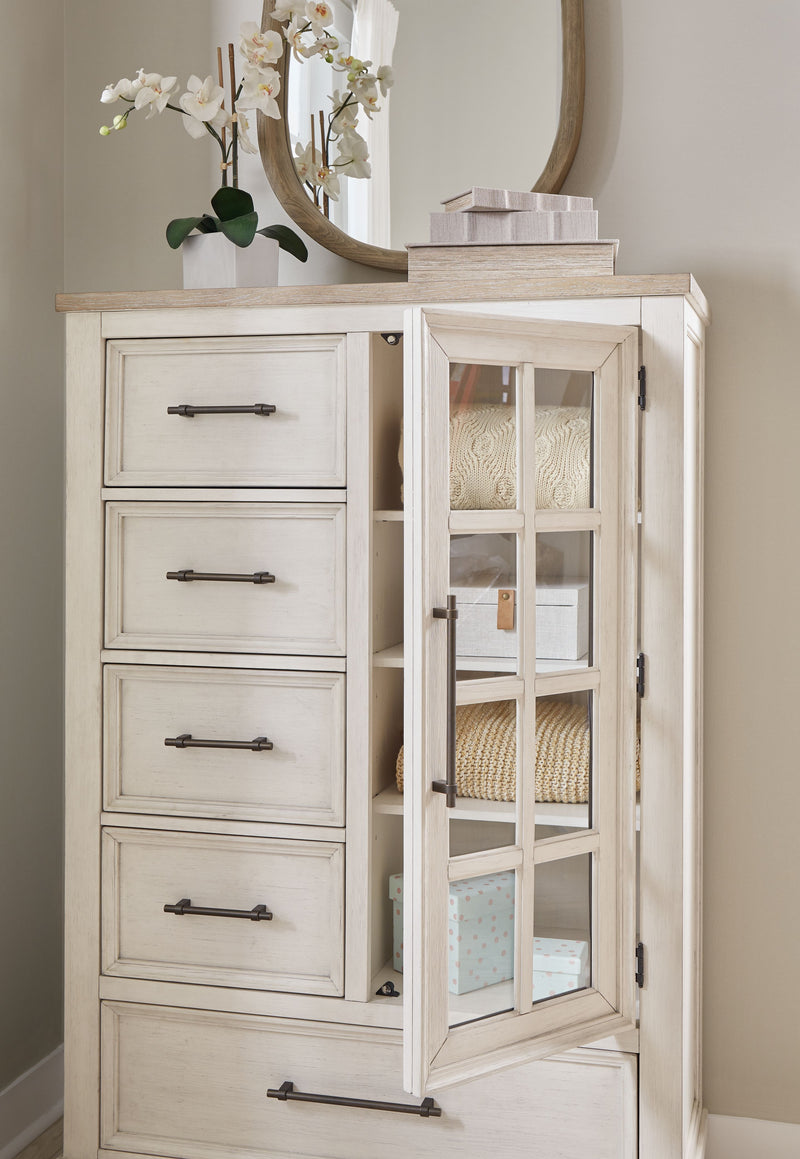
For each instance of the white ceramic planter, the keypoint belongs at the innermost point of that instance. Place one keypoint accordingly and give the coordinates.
(210, 261)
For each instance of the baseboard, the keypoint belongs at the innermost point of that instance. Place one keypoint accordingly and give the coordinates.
(31, 1104)
(732, 1138)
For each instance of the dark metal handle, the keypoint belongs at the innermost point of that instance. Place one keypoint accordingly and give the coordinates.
(259, 913)
(286, 1093)
(187, 411)
(186, 575)
(448, 786)
(261, 744)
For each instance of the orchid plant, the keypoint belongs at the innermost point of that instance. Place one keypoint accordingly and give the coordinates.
(306, 27)
(202, 110)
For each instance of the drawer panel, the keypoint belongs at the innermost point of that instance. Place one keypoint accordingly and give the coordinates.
(300, 882)
(193, 1085)
(300, 779)
(301, 444)
(301, 544)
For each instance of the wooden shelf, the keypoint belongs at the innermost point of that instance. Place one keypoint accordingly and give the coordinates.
(471, 809)
(393, 658)
(388, 516)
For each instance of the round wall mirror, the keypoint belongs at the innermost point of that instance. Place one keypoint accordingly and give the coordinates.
(475, 102)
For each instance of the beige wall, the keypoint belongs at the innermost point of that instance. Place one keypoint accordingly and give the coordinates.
(31, 492)
(690, 148)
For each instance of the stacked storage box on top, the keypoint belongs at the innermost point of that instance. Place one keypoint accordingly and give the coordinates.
(505, 217)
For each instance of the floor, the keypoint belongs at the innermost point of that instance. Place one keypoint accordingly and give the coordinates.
(49, 1144)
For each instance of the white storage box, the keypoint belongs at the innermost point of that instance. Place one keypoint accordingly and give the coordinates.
(562, 620)
(560, 965)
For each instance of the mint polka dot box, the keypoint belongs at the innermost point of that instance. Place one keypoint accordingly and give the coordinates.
(480, 950)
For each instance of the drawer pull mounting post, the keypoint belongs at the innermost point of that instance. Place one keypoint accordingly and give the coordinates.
(186, 576)
(286, 1093)
(261, 744)
(259, 913)
(187, 411)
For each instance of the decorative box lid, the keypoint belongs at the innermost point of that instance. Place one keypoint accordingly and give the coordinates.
(560, 955)
(566, 591)
(477, 897)
(560, 592)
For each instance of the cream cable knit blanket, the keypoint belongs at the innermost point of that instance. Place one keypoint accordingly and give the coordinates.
(483, 457)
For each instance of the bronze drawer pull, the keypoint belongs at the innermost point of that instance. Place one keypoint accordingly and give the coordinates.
(259, 913)
(286, 1093)
(187, 411)
(261, 744)
(186, 575)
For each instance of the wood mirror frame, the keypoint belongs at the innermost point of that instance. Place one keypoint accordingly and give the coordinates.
(278, 161)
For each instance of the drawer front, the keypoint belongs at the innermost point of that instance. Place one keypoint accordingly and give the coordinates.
(301, 544)
(296, 775)
(193, 1085)
(300, 882)
(300, 443)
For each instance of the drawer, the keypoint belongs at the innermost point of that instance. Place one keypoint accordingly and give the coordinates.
(193, 1085)
(300, 443)
(295, 775)
(302, 545)
(300, 882)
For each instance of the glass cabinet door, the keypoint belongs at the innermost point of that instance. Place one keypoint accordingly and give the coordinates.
(520, 469)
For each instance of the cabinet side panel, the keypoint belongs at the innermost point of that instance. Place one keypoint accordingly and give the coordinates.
(694, 394)
(669, 822)
(82, 739)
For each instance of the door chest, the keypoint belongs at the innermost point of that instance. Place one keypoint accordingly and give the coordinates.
(284, 691)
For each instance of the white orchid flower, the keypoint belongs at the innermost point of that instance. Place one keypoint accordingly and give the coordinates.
(127, 89)
(260, 48)
(385, 78)
(203, 99)
(306, 161)
(328, 181)
(365, 90)
(286, 10)
(319, 14)
(293, 33)
(345, 112)
(155, 92)
(322, 46)
(260, 87)
(245, 142)
(353, 156)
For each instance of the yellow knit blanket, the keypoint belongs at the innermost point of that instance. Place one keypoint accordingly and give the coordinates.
(486, 752)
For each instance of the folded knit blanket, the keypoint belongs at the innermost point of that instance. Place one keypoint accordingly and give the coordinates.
(483, 457)
(486, 752)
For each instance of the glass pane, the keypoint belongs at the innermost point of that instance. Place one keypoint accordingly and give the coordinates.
(563, 763)
(562, 945)
(483, 437)
(480, 950)
(563, 600)
(486, 776)
(483, 578)
(563, 439)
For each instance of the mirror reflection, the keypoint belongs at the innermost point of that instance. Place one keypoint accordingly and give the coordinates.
(475, 101)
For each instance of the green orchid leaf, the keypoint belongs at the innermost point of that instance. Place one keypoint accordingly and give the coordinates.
(208, 224)
(179, 229)
(229, 203)
(287, 239)
(240, 230)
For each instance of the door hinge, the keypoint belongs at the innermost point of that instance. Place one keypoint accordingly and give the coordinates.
(640, 674)
(641, 398)
(640, 965)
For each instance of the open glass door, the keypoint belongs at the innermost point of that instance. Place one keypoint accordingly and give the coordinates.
(520, 470)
